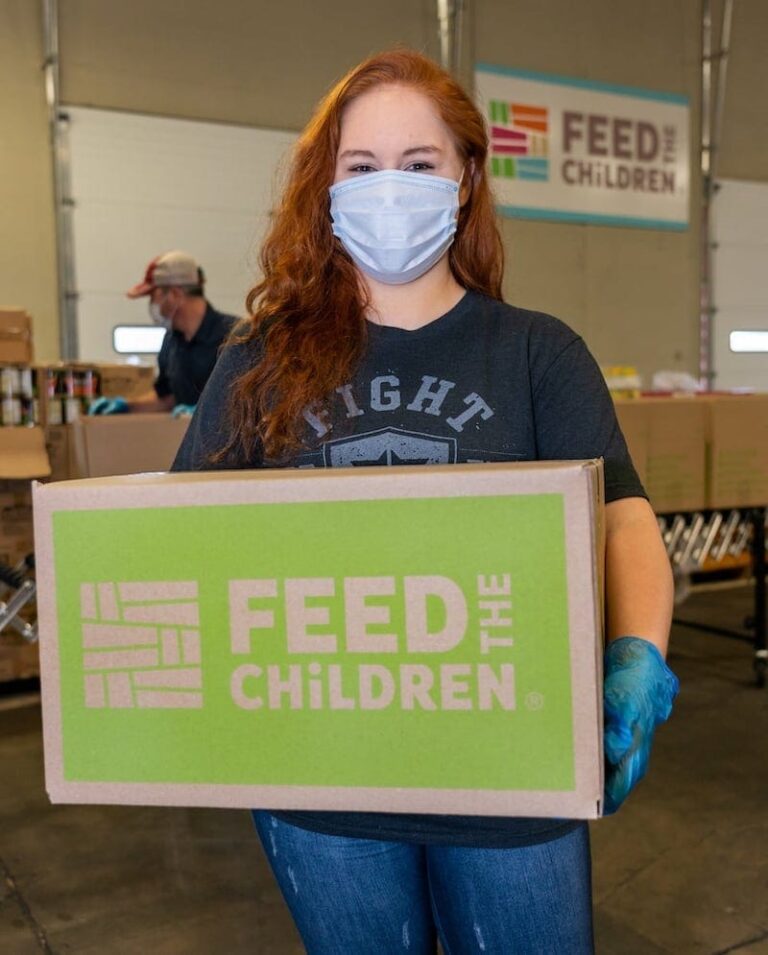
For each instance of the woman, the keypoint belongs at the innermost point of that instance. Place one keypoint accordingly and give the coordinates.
(378, 335)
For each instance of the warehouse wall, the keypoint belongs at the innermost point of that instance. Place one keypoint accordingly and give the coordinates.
(632, 293)
(264, 64)
(744, 146)
(27, 227)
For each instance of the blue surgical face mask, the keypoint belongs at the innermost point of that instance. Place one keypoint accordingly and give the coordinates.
(395, 225)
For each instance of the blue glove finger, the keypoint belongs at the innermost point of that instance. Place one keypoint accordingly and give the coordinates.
(622, 779)
(108, 406)
(97, 406)
(183, 410)
(621, 715)
(617, 739)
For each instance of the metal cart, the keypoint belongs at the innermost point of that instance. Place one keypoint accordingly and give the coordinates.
(692, 538)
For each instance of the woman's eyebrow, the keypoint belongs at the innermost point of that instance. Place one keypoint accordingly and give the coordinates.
(348, 153)
(422, 149)
(367, 154)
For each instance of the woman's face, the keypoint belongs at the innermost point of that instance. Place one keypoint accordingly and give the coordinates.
(395, 127)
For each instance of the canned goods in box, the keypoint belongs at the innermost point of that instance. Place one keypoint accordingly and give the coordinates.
(55, 411)
(72, 410)
(67, 382)
(26, 383)
(10, 384)
(50, 382)
(10, 411)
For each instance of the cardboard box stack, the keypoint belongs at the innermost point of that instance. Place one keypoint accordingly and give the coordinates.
(15, 337)
(79, 446)
(22, 456)
(45, 433)
(694, 453)
(737, 450)
(633, 422)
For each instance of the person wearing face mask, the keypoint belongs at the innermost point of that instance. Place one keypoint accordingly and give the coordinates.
(174, 286)
(379, 336)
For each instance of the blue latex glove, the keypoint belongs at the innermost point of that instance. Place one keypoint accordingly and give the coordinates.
(638, 692)
(109, 406)
(181, 410)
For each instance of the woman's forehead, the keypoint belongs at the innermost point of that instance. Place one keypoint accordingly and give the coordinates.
(392, 110)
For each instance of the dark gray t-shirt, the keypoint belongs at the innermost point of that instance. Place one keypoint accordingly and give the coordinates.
(484, 382)
(185, 366)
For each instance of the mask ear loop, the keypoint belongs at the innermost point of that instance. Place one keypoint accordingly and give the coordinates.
(460, 183)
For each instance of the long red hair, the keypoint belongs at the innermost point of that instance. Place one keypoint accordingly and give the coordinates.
(308, 311)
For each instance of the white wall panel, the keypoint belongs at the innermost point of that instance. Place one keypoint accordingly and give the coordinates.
(143, 185)
(740, 280)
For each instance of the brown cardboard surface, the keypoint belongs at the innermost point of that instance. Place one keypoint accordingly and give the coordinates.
(579, 484)
(126, 381)
(58, 442)
(19, 659)
(675, 463)
(124, 444)
(634, 423)
(15, 336)
(23, 453)
(737, 450)
(16, 535)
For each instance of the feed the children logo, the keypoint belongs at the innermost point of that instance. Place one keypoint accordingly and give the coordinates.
(519, 140)
(418, 642)
(141, 645)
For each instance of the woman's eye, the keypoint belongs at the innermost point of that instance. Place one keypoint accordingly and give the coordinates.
(362, 167)
(419, 167)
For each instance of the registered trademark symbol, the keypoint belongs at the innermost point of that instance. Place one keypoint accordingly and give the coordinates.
(534, 701)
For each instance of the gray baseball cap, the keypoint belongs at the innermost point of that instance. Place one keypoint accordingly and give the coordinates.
(170, 268)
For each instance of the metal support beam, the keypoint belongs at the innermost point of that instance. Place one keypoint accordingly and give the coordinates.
(450, 20)
(67, 296)
(712, 105)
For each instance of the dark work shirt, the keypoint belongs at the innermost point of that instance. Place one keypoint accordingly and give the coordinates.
(185, 366)
(484, 382)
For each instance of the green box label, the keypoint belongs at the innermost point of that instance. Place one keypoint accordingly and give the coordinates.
(394, 643)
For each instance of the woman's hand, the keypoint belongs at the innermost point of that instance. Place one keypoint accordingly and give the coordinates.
(638, 693)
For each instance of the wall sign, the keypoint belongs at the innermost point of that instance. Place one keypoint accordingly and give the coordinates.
(573, 150)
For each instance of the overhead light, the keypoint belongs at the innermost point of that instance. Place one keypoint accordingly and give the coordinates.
(749, 341)
(137, 339)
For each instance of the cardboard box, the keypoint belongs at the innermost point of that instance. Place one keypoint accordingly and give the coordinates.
(126, 381)
(16, 533)
(233, 639)
(124, 444)
(58, 442)
(15, 337)
(737, 450)
(634, 421)
(675, 463)
(23, 453)
(19, 660)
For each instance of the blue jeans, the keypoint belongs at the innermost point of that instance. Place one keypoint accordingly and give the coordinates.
(366, 897)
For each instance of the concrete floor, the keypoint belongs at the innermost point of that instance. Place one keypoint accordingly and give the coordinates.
(683, 868)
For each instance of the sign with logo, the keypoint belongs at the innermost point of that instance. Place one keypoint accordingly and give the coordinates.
(573, 150)
(403, 639)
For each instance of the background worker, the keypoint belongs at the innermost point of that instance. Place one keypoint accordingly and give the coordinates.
(195, 331)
